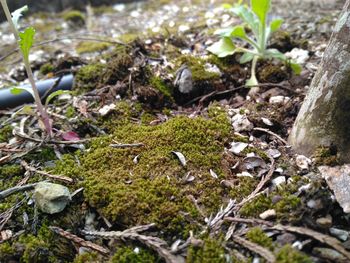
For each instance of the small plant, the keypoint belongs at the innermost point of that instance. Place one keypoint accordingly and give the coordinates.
(256, 19)
(25, 41)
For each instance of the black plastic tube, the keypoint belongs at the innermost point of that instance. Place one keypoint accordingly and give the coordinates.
(9, 100)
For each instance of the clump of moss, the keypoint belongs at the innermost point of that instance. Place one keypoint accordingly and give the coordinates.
(88, 257)
(128, 37)
(153, 189)
(46, 68)
(258, 236)
(211, 251)
(282, 41)
(70, 112)
(272, 74)
(130, 255)
(88, 76)
(160, 85)
(8, 170)
(90, 47)
(74, 17)
(42, 155)
(5, 133)
(287, 254)
(325, 156)
(197, 66)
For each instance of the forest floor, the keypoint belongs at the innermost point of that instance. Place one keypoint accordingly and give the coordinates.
(155, 174)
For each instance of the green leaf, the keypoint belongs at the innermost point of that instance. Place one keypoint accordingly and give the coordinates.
(226, 6)
(55, 94)
(274, 53)
(26, 41)
(261, 8)
(296, 68)
(17, 91)
(248, 17)
(237, 31)
(246, 57)
(17, 14)
(252, 82)
(275, 25)
(223, 48)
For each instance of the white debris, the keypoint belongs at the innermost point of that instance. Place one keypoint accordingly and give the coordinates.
(303, 162)
(268, 214)
(267, 121)
(274, 153)
(278, 100)
(106, 109)
(183, 28)
(238, 147)
(278, 181)
(298, 55)
(241, 123)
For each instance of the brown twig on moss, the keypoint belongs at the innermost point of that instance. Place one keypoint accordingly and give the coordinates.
(79, 241)
(16, 189)
(271, 133)
(155, 243)
(51, 176)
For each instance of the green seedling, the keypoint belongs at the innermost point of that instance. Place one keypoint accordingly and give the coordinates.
(255, 18)
(25, 40)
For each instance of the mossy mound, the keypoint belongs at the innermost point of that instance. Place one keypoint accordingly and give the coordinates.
(154, 188)
(90, 47)
(129, 255)
(74, 17)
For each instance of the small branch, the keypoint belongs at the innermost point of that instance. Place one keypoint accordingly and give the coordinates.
(79, 241)
(271, 133)
(16, 189)
(265, 253)
(51, 176)
(252, 221)
(126, 145)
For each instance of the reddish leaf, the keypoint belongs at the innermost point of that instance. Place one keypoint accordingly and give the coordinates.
(70, 136)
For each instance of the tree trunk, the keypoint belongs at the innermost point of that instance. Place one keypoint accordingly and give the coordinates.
(324, 118)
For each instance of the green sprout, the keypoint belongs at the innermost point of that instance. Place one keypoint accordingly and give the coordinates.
(256, 19)
(25, 40)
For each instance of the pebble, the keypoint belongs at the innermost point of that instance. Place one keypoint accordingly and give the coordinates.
(278, 100)
(329, 254)
(238, 147)
(325, 222)
(241, 123)
(303, 162)
(268, 214)
(279, 181)
(339, 233)
(286, 238)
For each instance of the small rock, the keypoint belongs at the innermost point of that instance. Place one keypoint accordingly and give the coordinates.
(241, 123)
(279, 100)
(339, 233)
(303, 162)
(330, 254)
(244, 174)
(238, 147)
(315, 204)
(253, 162)
(299, 56)
(325, 222)
(286, 238)
(106, 109)
(279, 181)
(274, 153)
(268, 214)
(276, 199)
(51, 198)
(267, 121)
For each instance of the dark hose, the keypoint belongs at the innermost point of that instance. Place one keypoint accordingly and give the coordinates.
(9, 100)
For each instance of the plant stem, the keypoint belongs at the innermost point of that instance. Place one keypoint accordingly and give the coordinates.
(43, 114)
(253, 70)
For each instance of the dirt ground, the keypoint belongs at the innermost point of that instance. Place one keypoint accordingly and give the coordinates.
(156, 174)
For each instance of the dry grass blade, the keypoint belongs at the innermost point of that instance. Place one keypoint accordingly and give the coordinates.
(81, 242)
(155, 243)
(271, 133)
(325, 239)
(265, 253)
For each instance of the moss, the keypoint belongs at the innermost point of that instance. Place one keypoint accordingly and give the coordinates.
(70, 112)
(153, 189)
(74, 17)
(287, 254)
(325, 156)
(5, 133)
(160, 85)
(46, 68)
(128, 37)
(197, 66)
(282, 41)
(130, 255)
(256, 206)
(88, 257)
(211, 251)
(8, 170)
(90, 47)
(257, 151)
(88, 76)
(272, 74)
(44, 154)
(258, 236)
(6, 252)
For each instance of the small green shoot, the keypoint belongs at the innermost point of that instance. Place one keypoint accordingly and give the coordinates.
(255, 18)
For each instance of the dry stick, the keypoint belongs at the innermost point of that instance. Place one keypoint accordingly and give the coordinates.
(126, 145)
(52, 176)
(77, 240)
(251, 221)
(25, 136)
(271, 133)
(16, 189)
(265, 253)
(155, 243)
(330, 241)
(66, 38)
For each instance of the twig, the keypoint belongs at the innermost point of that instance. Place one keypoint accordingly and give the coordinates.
(252, 221)
(126, 145)
(265, 253)
(328, 240)
(155, 243)
(52, 176)
(271, 133)
(16, 189)
(77, 240)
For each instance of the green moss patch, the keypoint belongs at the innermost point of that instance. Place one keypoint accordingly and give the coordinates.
(154, 188)
(90, 47)
(130, 255)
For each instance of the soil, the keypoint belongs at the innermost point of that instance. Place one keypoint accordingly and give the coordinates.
(156, 173)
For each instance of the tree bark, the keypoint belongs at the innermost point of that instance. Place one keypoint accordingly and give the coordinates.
(324, 118)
